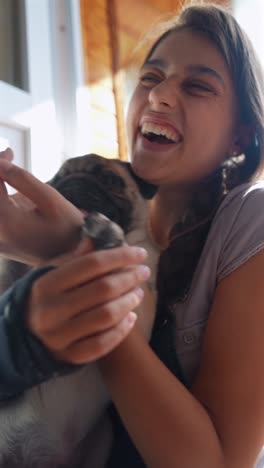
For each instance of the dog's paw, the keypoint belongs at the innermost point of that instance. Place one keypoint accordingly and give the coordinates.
(104, 233)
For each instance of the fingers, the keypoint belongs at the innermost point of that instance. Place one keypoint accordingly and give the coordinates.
(107, 288)
(22, 202)
(92, 348)
(94, 321)
(82, 270)
(3, 190)
(84, 247)
(90, 296)
(7, 154)
(89, 317)
(45, 197)
(50, 307)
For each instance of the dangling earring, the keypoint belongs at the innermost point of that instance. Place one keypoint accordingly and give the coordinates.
(224, 181)
(229, 170)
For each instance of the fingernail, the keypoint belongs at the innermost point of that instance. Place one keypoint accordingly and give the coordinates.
(143, 272)
(139, 252)
(139, 292)
(131, 318)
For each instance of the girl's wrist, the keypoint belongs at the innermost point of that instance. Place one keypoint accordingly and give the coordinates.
(115, 361)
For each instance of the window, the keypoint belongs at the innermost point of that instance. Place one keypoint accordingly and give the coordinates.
(250, 15)
(13, 54)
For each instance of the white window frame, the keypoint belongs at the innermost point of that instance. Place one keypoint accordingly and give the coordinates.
(52, 116)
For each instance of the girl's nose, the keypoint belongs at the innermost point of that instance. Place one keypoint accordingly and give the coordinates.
(163, 95)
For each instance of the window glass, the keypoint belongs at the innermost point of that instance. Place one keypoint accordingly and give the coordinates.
(13, 53)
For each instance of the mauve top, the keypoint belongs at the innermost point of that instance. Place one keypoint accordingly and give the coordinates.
(235, 235)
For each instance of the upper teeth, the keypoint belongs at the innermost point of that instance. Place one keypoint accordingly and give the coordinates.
(149, 127)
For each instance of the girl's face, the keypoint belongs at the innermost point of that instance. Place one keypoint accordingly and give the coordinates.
(182, 116)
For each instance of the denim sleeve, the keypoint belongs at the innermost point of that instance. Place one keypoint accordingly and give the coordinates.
(24, 361)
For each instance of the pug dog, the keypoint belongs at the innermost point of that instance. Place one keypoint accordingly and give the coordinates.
(63, 422)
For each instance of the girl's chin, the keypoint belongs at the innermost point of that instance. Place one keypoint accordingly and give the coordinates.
(143, 171)
(140, 168)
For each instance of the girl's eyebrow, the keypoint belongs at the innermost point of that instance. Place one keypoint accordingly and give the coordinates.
(203, 69)
(197, 68)
(160, 63)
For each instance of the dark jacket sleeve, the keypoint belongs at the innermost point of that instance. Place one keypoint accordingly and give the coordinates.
(24, 361)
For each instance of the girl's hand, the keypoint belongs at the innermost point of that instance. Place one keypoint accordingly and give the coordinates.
(36, 223)
(84, 308)
(7, 154)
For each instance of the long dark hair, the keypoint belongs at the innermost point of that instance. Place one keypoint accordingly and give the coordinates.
(188, 236)
(178, 262)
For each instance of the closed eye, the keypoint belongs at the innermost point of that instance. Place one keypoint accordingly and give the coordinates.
(199, 87)
(149, 78)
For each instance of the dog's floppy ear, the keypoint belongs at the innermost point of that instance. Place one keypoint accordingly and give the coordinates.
(146, 189)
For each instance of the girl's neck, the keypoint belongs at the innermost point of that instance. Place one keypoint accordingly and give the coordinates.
(166, 209)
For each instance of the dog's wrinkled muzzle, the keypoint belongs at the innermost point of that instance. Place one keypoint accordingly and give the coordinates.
(90, 195)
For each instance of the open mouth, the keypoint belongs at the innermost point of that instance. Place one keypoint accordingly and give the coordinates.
(161, 139)
(161, 134)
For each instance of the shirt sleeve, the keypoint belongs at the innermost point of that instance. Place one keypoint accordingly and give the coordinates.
(24, 361)
(242, 227)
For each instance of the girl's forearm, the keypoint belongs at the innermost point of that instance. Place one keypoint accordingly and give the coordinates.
(167, 424)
